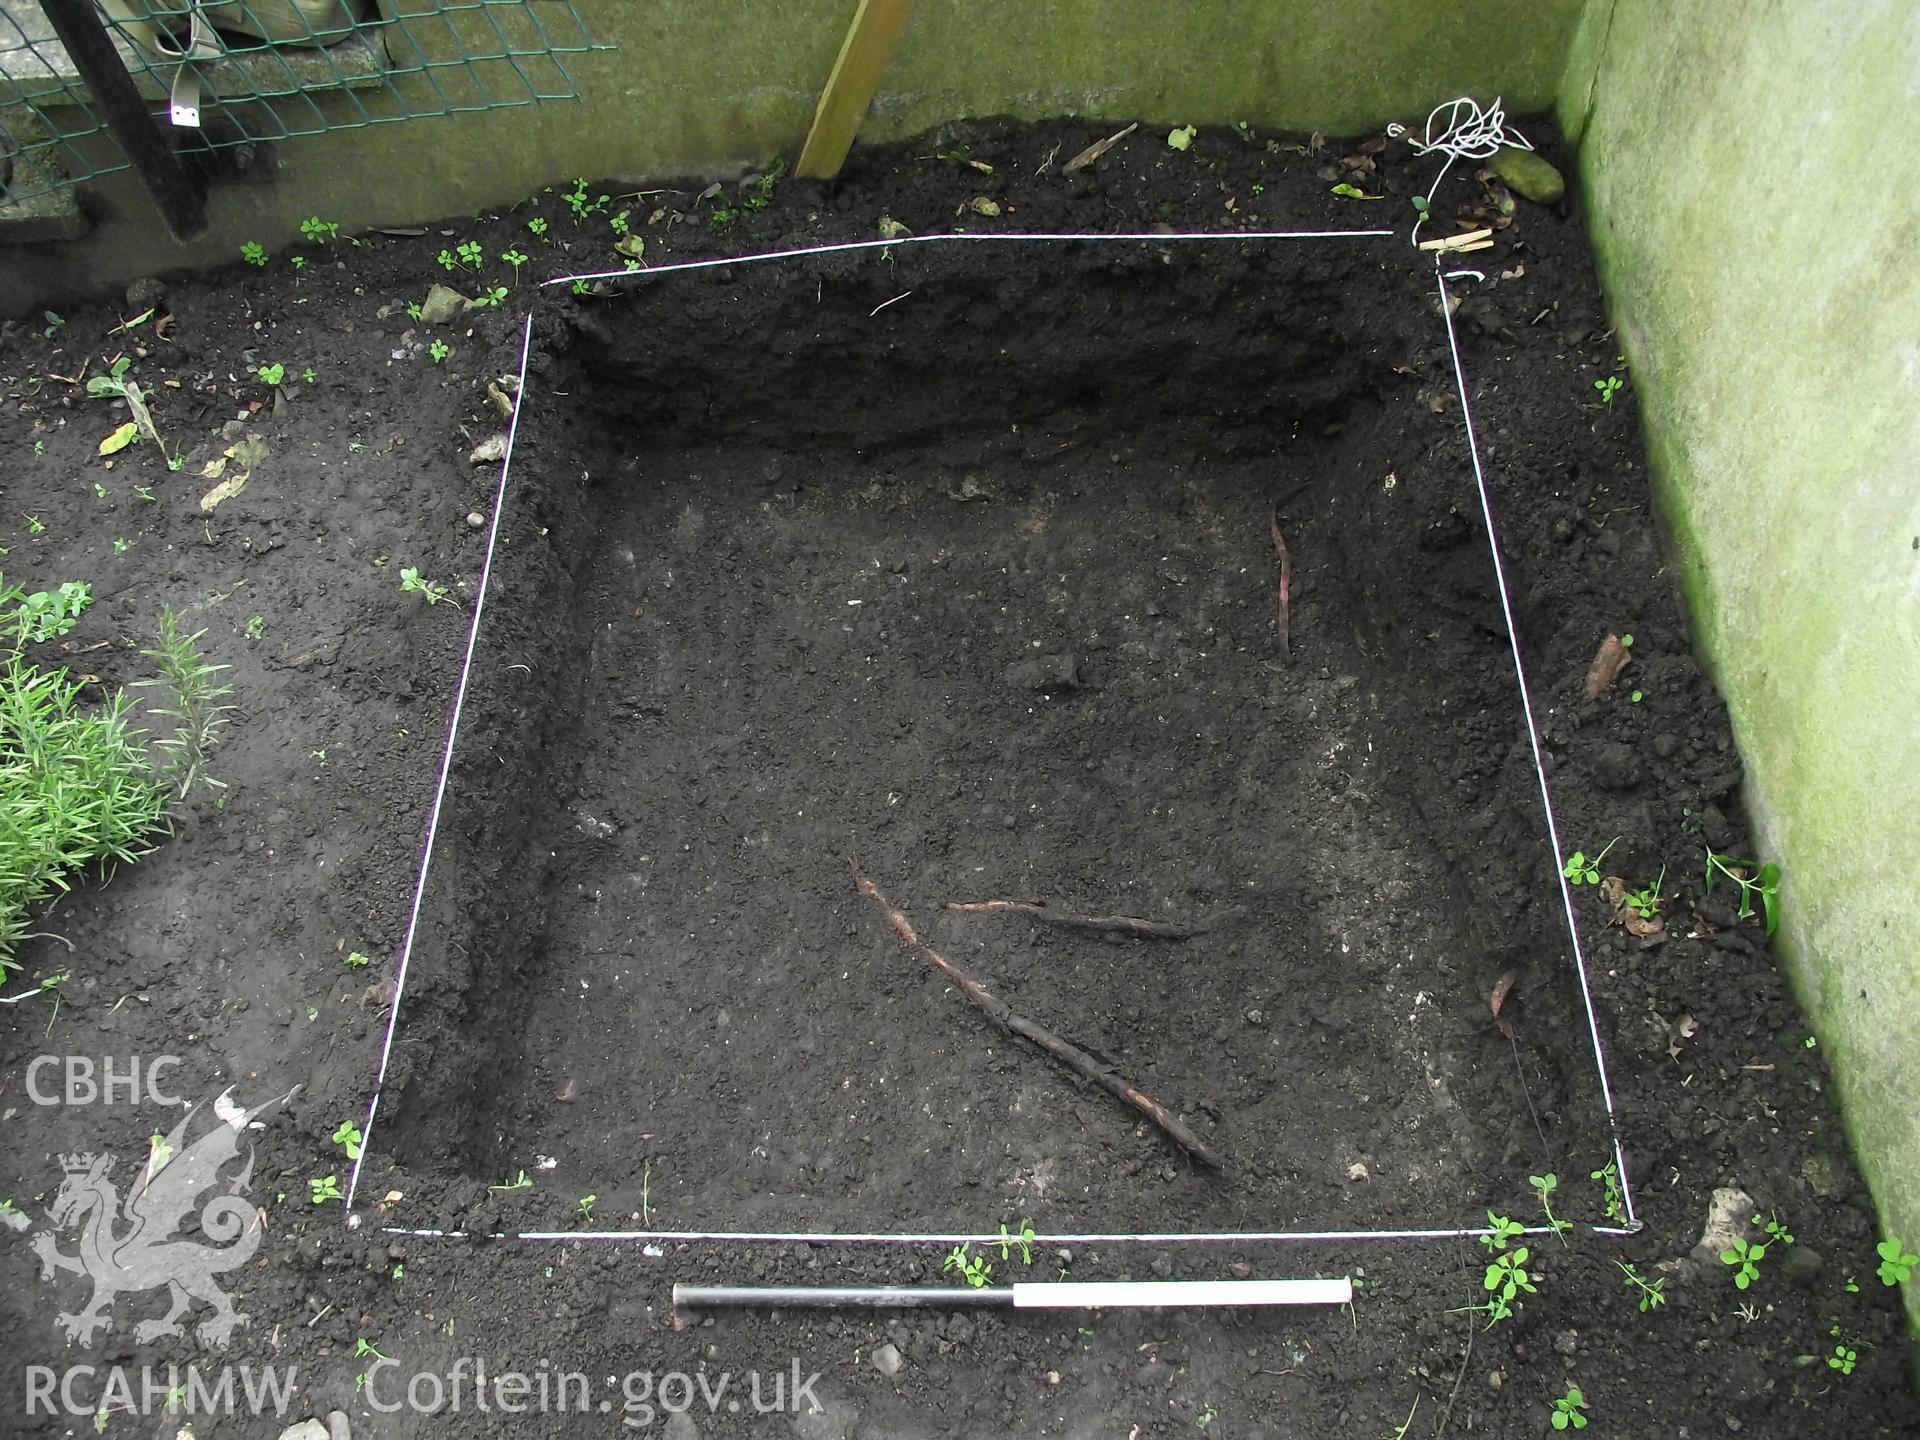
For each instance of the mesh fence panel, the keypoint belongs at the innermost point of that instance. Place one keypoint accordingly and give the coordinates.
(268, 70)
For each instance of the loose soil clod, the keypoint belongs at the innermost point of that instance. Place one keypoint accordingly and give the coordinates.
(1067, 1053)
(1098, 924)
(1285, 588)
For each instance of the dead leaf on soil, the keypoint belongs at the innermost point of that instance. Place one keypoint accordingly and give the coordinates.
(1099, 147)
(119, 439)
(1502, 988)
(244, 454)
(981, 205)
(1685, 1028)
(1608, 661)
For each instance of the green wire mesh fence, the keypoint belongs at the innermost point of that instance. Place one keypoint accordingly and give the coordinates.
(240, 72)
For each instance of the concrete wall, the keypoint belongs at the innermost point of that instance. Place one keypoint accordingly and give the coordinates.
(707, 86)
(1755, 199)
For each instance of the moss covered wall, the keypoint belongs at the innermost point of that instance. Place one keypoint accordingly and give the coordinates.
(704, 87)
(1755, 201)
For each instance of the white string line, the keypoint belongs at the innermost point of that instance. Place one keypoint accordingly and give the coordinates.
(1469, 133)
(1533, 739)
(962, 237)
(843, 1237)
(446, 762)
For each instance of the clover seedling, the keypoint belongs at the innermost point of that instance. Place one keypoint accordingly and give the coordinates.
(976, 1270)
(1745, 1260)
(412, 584)
(1765, 883)
(1021, 1240)
(254, 253)
(319, 231)
(1777, 1232)
(1842, 1358)
(1896, 1265)
(471, 254)
(271, 375)
(1608, 388)
(439, 350)
(322, 1189)
(1646, 903)
(356, 960)
(1608, 1178)
(537, 227)
(348, 1138)
(1582, 871)
(516, 260)
(1567, 1410)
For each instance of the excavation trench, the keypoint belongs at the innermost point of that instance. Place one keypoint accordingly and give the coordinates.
(960, 564)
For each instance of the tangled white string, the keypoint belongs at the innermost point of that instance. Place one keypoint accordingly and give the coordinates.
(1460, 130)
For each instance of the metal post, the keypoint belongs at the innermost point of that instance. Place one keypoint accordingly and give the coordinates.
(177, 192)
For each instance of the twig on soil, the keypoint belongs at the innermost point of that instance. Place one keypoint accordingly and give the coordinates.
(1099, 147)
(1099, 924)
(1286, 588)
(1067, 1053)
(1608, 661)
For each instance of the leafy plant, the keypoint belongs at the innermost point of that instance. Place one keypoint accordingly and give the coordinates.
(414, 310)
(308, 375)
(537, 227)
(254, 253)
(1896, 1265)
(1582, 871)
(1608, 387)
(54, 322)
(319, 231)
(115, 385)
(585, 1205)
(491, 298)
(1506, 1277)
(299, 262)
(35, 525)
(1569, 1410)
(358, 961)
(322, 1188)
(976, 1270)
(470, 254)
(271, 375)
(1612, 1202)
(580, 287)
(439, 350)
(1652, 1292)
(1777, 1232)
(721, 217)
(76, 788)
(1544, 1186)
(516, 260)
(1021, 1240)
(412, 584)
(1842, 1358)
(1646, 902)
(121, 544)
(577, 202)
(1765, 883)
(194, 705)
(255, 627)
(348, 1137)
(1745, 1259)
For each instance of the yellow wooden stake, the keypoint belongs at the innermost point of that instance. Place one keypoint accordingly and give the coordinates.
(876, 29)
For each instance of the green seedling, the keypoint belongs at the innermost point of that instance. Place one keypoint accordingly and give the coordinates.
(1506, 1276)
(144, 492)
(577, 202)
(1745, 1260)
(976, 1270)
(1765, 883)
(1653, 1293)
(537, 227)
(516, 260)
(412, 584)
(319, 231)
(1021, 1240)
(271, 375)
(348, 1137)
(1582, 871)
(1422, 208)
(255, 627)
(1777, 1232)
(1182, 138)
(619, 223)
(1354, 192)
(470, 254)
(519, 1182)
(579, 287)
(1608, 388)
(1842, 1358)
(35, 525)
(114, 385)
(299, 262)
(1206, 1417)
(585, 1205)
(308, 375)
(355, 959)
(1544, 1186)
(413, 310)
(1407, 1424)
(439, 350)
(399, 1270)
(1896, 1265)
(1569, 1410)
(491, 298)
(722, 217)
(1646, 903)
(121, 544)
(54, 322)
(48, 614)
(363, 1349)
(323, 1188)
(194, 703)
(1607, 1177)
(254, 253)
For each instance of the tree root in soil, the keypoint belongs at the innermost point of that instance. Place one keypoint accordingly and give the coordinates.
(1099, 924)
(1067, 1053)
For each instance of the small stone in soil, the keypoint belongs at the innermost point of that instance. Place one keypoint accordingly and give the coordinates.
(476, 519)
(887, 1360)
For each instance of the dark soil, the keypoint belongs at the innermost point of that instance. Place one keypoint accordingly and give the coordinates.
(953, 562)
